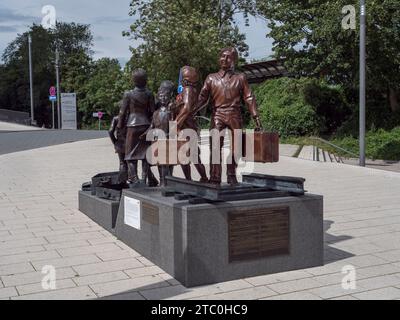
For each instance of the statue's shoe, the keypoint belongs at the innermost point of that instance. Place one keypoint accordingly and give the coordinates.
(204, 180)
(232, 180)
(152, 183)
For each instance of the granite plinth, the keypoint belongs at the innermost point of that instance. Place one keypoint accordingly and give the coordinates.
(103, 212)
(210, 243)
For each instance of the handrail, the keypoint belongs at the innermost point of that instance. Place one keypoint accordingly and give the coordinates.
(204, 118)
(334, 146)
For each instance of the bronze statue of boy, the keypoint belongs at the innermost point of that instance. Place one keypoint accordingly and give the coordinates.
(226, 89)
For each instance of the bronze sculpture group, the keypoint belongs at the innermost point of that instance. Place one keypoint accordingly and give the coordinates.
(139, 113)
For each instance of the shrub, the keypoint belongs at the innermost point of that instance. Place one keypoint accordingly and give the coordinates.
(380, 144)
(377, 116)
(301, 106)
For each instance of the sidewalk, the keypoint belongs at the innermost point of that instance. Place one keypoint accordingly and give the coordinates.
(16, 141)
(40, 225)
(8, 126)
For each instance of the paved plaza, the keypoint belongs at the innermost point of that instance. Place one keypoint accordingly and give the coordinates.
(40, 225)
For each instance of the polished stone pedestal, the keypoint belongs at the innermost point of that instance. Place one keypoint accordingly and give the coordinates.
(103, 212)
(210, 243)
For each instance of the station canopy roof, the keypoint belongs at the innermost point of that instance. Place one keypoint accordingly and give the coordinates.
(261, 71)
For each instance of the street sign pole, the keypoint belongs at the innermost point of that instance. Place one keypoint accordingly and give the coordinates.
(52, 111)
(52, 98)
(362, 81)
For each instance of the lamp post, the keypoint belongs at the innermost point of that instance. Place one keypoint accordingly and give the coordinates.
(58, 88)
(362, 81)
(31, 79)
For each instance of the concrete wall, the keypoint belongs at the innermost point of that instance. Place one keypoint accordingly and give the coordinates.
(14, 116)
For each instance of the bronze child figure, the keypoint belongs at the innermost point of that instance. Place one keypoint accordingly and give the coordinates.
(162, 117)
(186, 117)
(226, 89)
(136, 113)
(118, 137)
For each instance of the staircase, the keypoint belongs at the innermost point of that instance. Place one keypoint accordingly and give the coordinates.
(317, 154)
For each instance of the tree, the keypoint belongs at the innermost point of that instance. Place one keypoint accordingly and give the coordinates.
(104, 89)
(71, 39)
(175, 33)
(309, 35)
(15, 83)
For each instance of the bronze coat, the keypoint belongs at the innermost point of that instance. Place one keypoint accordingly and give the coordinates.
(136, 113)
(227, 89)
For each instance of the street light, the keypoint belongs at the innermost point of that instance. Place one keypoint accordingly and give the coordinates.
(362, 81)
(58, 88)
(31, 79)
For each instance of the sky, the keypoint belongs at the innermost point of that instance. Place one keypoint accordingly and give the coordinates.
(107, 19)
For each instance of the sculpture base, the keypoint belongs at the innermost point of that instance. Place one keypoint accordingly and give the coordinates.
(103, 212)
(210, 243)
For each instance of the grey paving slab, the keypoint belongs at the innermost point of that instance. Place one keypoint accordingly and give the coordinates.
(35, 277)
(302, 295)
(100, 278)
(336, 290)
(37, 287)
(64, 294)
(389, 293)
(130, 285)
(247, 294)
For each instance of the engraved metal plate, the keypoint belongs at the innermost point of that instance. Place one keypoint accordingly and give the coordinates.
(258, 233)
(150, 213)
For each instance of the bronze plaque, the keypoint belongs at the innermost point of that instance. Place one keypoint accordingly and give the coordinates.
(150, 213)
(258, 233)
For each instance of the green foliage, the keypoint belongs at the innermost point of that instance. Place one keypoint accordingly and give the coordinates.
(177, 33)
(103, 90)
(380, 144)
(14, 80)
(301, 106)
(74, 42)
(99, 85)
(309, 35)
(378, 116)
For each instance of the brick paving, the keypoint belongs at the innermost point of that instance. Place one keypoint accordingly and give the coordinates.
(40, 225)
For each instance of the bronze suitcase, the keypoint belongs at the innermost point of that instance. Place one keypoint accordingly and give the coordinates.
(266, 147)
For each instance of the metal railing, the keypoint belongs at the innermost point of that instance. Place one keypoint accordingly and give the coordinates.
(203, 118)
(316, 149)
